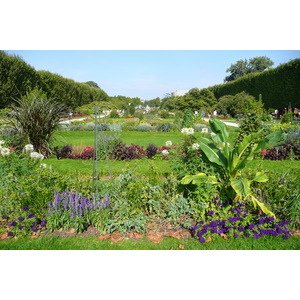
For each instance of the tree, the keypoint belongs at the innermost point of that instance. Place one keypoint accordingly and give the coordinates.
(92, 84)
(244, 67)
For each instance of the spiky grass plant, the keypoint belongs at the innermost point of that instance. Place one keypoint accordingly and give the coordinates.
(35, 118)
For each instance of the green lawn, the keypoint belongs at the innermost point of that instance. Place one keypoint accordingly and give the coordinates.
(168, 243)
(84, 138)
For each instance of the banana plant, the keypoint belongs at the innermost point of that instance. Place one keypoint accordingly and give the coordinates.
(232, 160)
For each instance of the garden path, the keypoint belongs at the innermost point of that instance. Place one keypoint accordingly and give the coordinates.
(227, 123)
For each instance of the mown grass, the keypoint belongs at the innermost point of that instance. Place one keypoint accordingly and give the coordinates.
(84, 138)
(168, 243)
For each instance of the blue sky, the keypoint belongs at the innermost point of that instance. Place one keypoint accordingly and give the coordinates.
(146, 73)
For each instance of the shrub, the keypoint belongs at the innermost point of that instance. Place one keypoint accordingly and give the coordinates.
(65, 152)
(164, 127)
(124, 152)
(35, 118)
(151, 151)
(198, 127)
(164, 114)
(281, 194)
(144, 127)
(107, 144)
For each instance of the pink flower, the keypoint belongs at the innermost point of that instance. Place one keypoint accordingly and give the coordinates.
(183, 154)
(264, 152)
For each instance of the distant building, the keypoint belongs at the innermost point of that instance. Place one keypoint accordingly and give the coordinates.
(179, 93)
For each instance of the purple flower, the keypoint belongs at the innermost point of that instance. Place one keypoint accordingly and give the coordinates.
(30, 216)
(220, 204)
(12, 224)
(286, 237)
(261, 221)
(235, 235)
(279, 230)
(213, 224)
(10, 233)
(241, 228)
(25, 208)
(33, 229)
(194, 227)
(214, 230)
(43, 223)
(4, 217)
(21, 227)
(202, 240)
(251, 226)
(217, 198)
(211, 212)
(21, 218)
(199, 233)
(232, 220)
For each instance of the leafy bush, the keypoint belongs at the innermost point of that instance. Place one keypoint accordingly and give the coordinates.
(107, 144)
(65, 152)
(144, 127)
(151, 151)
(125, 152)
(281, 193)
(287, 118)
(198, 127)
(164, 127)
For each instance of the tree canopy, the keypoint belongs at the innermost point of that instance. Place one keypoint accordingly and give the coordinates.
(244, 67)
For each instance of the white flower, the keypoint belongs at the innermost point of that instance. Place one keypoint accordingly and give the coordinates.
(204, 130)
(195, 146)
(165, 152)
(29, 148)
(190, 131)
(2, 143)
(184, 130)
(5, 151)
(212, 134)
(44, 166)
(168, 143)
(36, 156)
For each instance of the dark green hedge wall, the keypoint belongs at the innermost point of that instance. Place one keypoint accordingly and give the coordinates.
(17, 78)
(278, 87)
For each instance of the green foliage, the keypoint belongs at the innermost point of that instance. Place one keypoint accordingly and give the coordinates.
(281, 193)
(188, 119)
(25, 183)
(278, 86)
(35, 118)
(241, 103)
(244, 67)
(232, 161)
(287, 118)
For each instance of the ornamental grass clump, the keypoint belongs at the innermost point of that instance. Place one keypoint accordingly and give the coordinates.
(72, 210)
(232, 220)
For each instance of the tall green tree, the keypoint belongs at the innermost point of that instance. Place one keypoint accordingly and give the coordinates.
(244, 67)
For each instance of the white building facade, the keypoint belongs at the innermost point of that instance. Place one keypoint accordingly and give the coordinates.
(179, 93)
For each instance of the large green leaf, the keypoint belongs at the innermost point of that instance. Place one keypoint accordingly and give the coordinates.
(199, 178)
(262, 207)
(260, 177)
(270, 140)
(241, 186)
(212, 152)
(220, 129)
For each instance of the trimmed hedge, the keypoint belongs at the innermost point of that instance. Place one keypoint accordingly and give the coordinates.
(278, 87)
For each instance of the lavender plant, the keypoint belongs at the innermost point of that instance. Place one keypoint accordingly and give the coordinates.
(72, 210)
